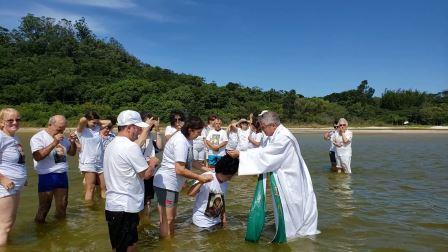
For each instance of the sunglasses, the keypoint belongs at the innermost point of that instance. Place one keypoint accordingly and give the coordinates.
(13, 120)
(342, 125)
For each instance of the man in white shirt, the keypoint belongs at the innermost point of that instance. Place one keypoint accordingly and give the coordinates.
(50, 149)
(216, 142)
(332, 153)
(124, 170)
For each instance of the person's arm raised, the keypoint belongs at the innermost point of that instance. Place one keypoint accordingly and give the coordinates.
(82, 124)
(194, 189)
(44, 152)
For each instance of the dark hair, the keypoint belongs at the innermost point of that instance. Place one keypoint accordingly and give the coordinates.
(173, 115)
(146, 115)
(91, 115)
(212, 117)
(227, 165)
(336, 122)
(193, 123)
(257, 126)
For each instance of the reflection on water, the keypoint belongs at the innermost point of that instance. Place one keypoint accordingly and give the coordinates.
(340, 186)
(396, 199)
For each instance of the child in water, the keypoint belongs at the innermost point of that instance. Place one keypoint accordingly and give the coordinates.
(209, 207)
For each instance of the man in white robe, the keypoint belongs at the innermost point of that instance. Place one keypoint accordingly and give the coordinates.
(280, 154)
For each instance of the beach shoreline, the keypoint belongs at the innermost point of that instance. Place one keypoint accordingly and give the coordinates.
(357, 130)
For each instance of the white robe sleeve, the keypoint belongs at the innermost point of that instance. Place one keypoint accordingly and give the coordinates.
(264, 159)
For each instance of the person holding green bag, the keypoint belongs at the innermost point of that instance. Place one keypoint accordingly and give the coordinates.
(294, 201)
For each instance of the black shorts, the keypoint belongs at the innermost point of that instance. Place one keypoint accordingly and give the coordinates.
(332, 157)
(149, 189)
(122, 229)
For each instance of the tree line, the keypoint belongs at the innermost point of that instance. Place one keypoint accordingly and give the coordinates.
(50, 66)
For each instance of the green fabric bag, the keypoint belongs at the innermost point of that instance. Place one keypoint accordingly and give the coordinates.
(257, 214)
(280, 235)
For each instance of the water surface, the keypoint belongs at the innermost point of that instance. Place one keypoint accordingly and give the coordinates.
(396, 199)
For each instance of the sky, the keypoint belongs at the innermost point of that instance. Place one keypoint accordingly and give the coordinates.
(315, 47)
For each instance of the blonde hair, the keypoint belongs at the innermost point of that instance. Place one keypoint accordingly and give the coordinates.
(3, 113)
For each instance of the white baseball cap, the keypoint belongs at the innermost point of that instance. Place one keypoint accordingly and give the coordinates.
(129, 117)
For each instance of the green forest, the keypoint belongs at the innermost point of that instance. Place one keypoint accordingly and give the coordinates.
(50, 66)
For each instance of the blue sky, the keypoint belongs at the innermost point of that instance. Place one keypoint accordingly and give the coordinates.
(315, 47)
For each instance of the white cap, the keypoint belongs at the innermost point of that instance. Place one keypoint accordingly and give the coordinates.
(129, 117)
(262, 112)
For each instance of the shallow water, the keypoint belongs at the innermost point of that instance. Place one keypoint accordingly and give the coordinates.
(396, 199)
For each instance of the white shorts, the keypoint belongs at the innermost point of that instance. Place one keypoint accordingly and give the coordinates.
(90, 168)
(18, 185)
(344, 163)
(199, 154)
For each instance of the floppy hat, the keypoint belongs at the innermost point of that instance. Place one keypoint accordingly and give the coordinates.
(242, 120)
(128, 117)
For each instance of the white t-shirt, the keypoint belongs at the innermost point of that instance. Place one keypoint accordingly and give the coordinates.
(216, 138)
(56, 161)
(170, 130)
(332, 147)
(209, 203)
(198, 142)
(148, 149)
(177, 149)
(123, 161)
(255, 136)
(233, 140)
(346, 149)
(243, 139)
(91, 146)
(12, 157)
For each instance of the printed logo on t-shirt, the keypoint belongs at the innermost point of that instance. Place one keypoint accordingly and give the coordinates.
(189, 163)
(215, 139)
(215, 205)
(21, 154)
(59, 154)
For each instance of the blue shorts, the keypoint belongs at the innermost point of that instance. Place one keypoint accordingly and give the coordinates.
(213, 159)
(50, 181)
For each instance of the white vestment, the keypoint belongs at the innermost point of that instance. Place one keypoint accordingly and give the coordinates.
(281, 155)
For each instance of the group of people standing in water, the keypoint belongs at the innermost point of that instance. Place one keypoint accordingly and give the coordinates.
(128, 174)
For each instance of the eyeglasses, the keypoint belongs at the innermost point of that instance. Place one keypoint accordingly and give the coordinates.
(13, 120)
(342, 125)
(335, 126)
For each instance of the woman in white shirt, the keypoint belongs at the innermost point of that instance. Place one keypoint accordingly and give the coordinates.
(175, 168)
(255, 136)
(342, 140)
(91, 153)
(12, 171)
(177, 120)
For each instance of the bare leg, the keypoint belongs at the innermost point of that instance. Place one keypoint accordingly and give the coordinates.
(100, 178)
(90, 178)
(8, 213)
(61, 201)
(167, 217)
(45, 199)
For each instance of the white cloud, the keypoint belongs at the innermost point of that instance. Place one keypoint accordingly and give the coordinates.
(112, 4)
